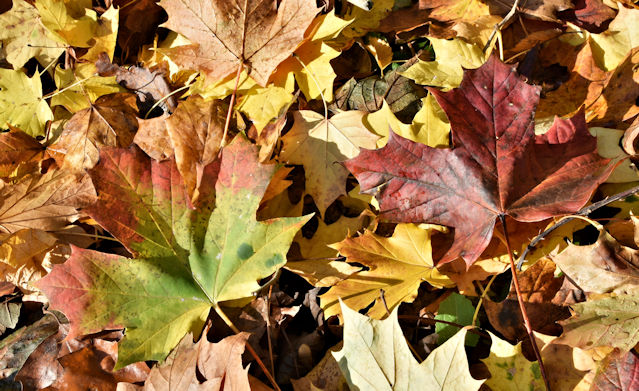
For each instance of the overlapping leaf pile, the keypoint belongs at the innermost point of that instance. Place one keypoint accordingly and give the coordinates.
(330, 191)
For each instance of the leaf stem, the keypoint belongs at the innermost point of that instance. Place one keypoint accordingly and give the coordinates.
(583, 212)
(481, 299)
(229, 323)
(54, 93)
(231, 104)
(522, 307)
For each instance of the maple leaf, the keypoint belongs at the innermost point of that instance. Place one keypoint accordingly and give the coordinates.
(398, 265)
(610, 321)
(20, 154)
(509, 369)
(186, 260)
(44, 201)
(255, 34)
(22, 103)
(110, 122)
(79, 87)
(375, 357)
(497, 167)
(602, 267)
(618, 371)
(23, 36)
(320, 144)
(219, 363)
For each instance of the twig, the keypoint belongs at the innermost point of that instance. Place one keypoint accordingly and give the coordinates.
(381, 296)
(268, 327)
(522, 307)
(583, 212)
(229, 323)
(501, 24)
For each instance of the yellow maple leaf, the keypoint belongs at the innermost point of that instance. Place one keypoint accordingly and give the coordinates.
(22, 103)
(398, 265)
(320, 144)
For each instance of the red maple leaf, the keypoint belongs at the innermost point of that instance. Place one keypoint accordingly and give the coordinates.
(497, 167)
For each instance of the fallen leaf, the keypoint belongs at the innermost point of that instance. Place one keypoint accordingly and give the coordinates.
(22, 102)
(189, 259)
(195, 130)
(603, 267)
(79, 87)
(221, 363)
(536, 9)
(225, 372)
(617, 100)
(447, 70)
(397, 265)
(325, 376)
(402, 94)
(509, 369)
(28, 255)
(44, 201)
(110, 122)
(456, 309)
(569, 368)
(620, 371)
(257, 35)
(20, 154)
(23, 36)
(149, 86)
(153, 137)
(539, 287)
(417, 183)
(375, 357)
(611, 46)
(320, 145)
(609, 321)
(66, 26)
(17, 347)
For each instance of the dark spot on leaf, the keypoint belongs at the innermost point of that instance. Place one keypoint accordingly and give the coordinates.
(245, 251)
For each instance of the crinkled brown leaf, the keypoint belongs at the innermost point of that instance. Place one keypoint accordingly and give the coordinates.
(110, 122)
(44, 201)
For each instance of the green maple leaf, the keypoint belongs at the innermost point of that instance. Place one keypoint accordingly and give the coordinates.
(187, 258)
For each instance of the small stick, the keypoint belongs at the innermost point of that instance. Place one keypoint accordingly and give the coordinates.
(583, 212)
(501, 24)
(522, 307)
(268, 327)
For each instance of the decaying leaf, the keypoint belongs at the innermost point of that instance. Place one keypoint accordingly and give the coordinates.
(44, 201)
(609, 321)
(110, 122)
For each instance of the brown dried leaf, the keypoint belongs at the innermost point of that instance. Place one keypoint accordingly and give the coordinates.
(539, 287)
(44, 201)
(195, 130)
(20, 154)
(153, 137)
(255, 34)
(111, 122)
